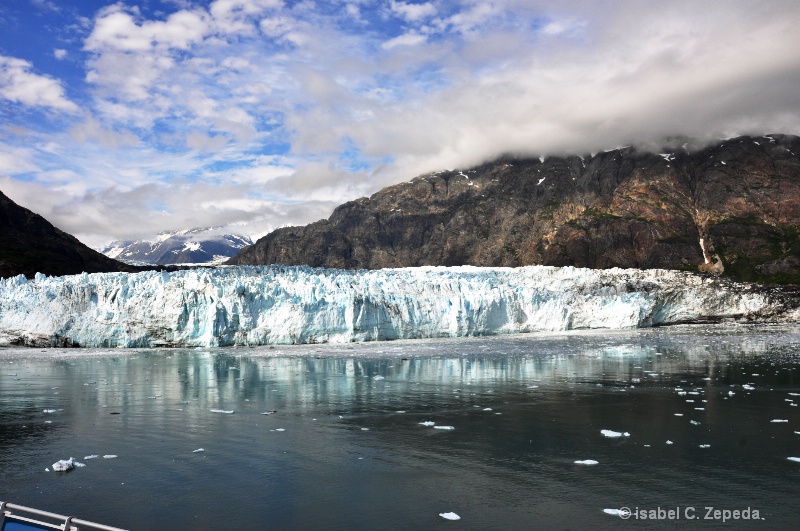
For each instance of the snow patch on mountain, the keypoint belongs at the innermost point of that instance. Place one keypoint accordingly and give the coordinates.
(259, 305)
(192, 246)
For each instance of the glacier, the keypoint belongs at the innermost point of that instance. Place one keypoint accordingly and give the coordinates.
(259, 305)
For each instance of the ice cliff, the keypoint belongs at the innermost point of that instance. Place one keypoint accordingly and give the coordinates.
(281, 305)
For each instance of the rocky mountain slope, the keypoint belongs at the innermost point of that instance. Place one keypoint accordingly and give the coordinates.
(30, 244)
(731, 208)
(194, 246)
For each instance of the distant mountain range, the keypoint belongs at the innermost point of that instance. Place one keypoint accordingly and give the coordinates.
(29, 244)
(732, 208)
(193, 246)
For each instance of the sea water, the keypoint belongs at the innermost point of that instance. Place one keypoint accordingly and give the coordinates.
(517, 432)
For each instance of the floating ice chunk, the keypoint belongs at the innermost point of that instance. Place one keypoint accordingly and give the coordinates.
(65, 465)
(748, 387)
(271, 411)
(610, 433)
(454, 516)
(364, 429)
(731, 393)
(795, 459)
(533, 387)
(586, 462)
(669, 442)
(694, 422)
(487, 409)
(678, 414)
(613, 512)
(427, 423)
(93, 456)
(443, 428)
(109, 456)
(779, 420)
(49, 411)
(794, 394)
(280, 429)
(79, 465)
(378, 377)
(400, 411)
(226, 411)
(198, 450)
(699, 409)
(705, 446)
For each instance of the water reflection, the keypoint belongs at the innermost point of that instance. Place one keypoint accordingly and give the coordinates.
(346, 430)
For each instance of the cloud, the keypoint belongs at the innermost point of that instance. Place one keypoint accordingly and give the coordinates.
(407, 39)
(60, 53)
(20, 85)
(412, 12)
(264, 112)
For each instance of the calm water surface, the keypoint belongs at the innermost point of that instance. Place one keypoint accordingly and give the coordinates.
(345, 447)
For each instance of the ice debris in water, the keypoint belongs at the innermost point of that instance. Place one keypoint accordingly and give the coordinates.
(694, 422)
(779, 420)
(613, 512)
(705, 446)
(93, 456)
(378, 377)
(610, 433)
(587, 462)
(669, 442)
(65, 465)
(450, 516)
(49, 410)
(443, 428)
(109, 456)
(301, 305)
(427, 423)
(795, 459)
(198, 450)
(226, 411)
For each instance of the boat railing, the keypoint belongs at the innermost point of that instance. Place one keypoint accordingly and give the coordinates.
(15, 517)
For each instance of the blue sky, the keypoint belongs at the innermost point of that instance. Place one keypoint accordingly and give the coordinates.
(120, 120)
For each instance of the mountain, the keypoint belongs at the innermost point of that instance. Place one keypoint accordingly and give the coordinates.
(194, 246)
(29, 244)
(732, 208)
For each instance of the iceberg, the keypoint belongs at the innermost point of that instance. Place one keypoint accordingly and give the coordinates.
(259, 305)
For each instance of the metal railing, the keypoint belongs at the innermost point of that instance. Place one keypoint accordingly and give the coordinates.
(11, 512)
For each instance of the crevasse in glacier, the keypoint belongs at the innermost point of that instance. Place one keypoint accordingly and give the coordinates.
(284, 305)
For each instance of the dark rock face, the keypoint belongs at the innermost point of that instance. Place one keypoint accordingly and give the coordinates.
(733, 208)
(30, 244)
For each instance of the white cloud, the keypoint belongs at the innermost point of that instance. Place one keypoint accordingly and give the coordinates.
(412, 12)
(60, 53)
(407, 39)
(248, 105)
(18, 84)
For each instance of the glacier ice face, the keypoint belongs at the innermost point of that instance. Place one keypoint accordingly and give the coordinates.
(287, 305)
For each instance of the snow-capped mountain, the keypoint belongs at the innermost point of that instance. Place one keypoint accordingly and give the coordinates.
(193, 246)
(283, 305)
